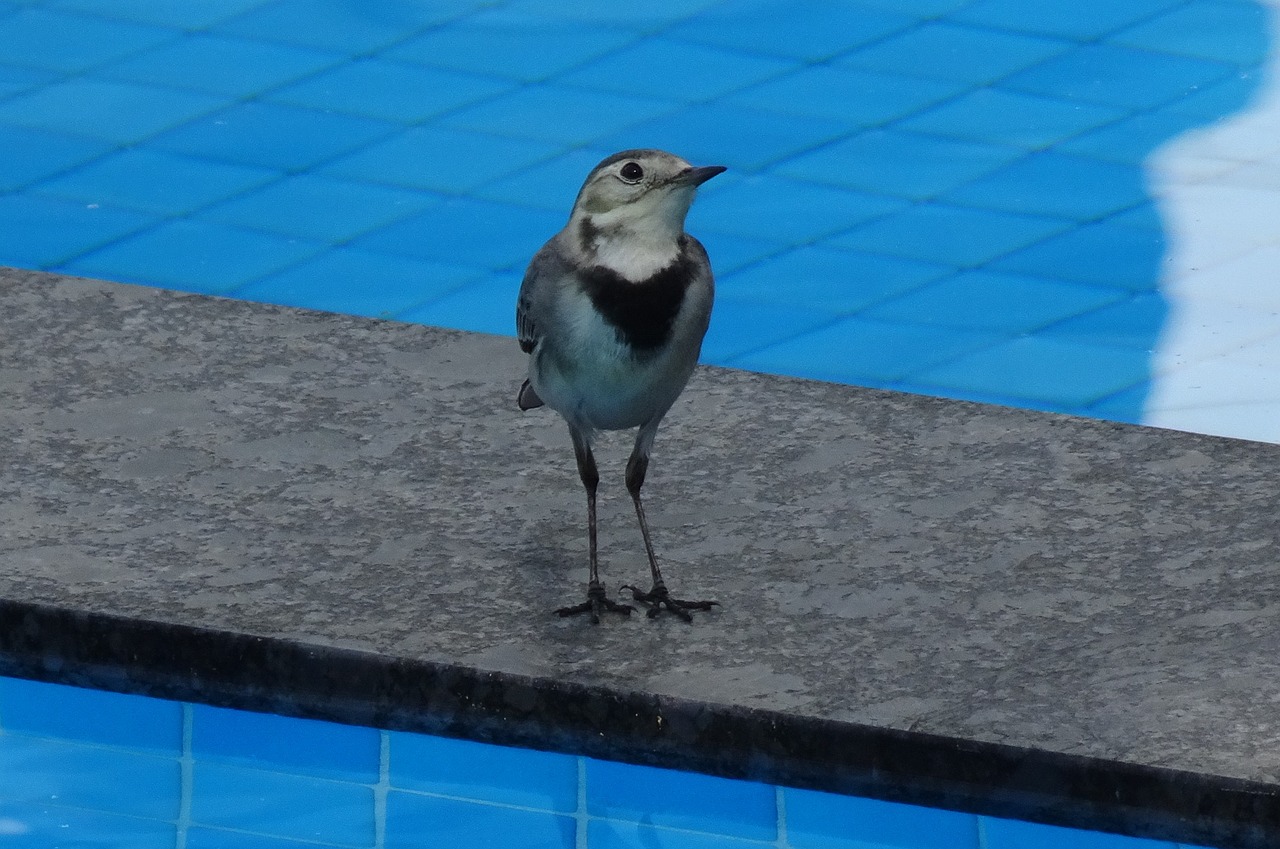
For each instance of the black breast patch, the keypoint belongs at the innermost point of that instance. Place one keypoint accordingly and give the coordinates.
(642, 312)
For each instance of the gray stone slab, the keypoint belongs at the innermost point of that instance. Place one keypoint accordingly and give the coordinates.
(1067, 594)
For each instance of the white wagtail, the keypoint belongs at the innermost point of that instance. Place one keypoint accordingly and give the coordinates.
(612, 311)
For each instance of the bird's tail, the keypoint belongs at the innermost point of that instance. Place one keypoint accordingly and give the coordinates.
(528, 399)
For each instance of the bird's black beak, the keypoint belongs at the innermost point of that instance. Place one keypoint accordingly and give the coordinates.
(698, 176)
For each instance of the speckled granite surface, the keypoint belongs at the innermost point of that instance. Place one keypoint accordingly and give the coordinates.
(927, 600)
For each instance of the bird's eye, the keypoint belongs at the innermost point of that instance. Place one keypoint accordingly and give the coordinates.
(631, 172)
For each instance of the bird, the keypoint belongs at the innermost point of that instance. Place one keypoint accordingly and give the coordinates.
(612, 312)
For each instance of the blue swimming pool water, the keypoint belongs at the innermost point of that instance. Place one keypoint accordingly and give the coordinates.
(86, 768)
(974, 198)
(1066, 205)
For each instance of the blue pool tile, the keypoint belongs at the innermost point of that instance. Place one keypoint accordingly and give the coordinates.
(1130, 140)
(664, 68)
(739, 137)
(1211, 102)
(356, 282)
(863, 98)
(1127, 405)
(555, 113)
(443, 160)
(89, 716)
(1064, 374)
(474, 232)
(857, 350)
(730, 253)
(686, 800)
(349, 27)
(947, 51)
(35, 826)
(182, 14)
(835, 282)
(950, 234)
(281, 805)
(234, 67)
(273, 135)
(1015, 834)
(486, 306)
(811, 32)
(1234, 32)
(320, 208)
(827, 821)
(1095, 253)
(738, 327)
(608, 834)
(123, 113)
(514, 46)
(43, 232)
(485, 773)
(154, 181)
(1134, 322)
(981, 300)
(778, 209)
(285, 744)
(1084, 19)
(78, 776)
(641, 17)
(193, 256)
(551, 184)
(1055, 184)
(69, 42)
(900, 164)
(390, 91)
(32, 155)
(14, 80)
(993, 115)
(202, 837)
(426, 822)
(1119, 76)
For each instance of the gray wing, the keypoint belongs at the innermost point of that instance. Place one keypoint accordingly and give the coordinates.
(533, 308)
(545, 273)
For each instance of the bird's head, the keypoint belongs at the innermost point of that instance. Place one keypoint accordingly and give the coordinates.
(641, 192)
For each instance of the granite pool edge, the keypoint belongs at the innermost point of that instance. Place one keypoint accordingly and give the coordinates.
(251, 672)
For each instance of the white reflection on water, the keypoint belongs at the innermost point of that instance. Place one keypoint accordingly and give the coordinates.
(1216, 368)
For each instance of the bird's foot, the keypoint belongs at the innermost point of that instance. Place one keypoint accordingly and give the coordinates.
(658, 598)
(596, 602)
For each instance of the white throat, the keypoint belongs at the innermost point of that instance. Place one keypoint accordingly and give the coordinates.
(636, 258)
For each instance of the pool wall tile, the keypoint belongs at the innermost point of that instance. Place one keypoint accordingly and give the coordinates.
(206, 257)
(33, 155)
(72, 43)
(280, 805)
(155, 181)
(485, 306)
(219, 65)
(118, 112)
(612, 834)
(97, 778)
(811, 31)
(663, 797)
(90, 716)
(521, 777)
(35, 826)
(46, 232)
(416, 821)
(273, 135)
(290, 745)
(1015, 834)
(827, 821)
(203, 837)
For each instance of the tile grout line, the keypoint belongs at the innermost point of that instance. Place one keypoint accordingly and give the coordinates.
(381, 789)
(580, 813)
(186, 762)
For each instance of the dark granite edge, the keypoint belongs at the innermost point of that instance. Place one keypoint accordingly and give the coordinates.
(192, 663)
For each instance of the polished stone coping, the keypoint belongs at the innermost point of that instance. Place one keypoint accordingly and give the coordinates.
(923, 600)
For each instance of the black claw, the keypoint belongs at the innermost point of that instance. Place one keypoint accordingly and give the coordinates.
(596, 603)
(658, 599)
